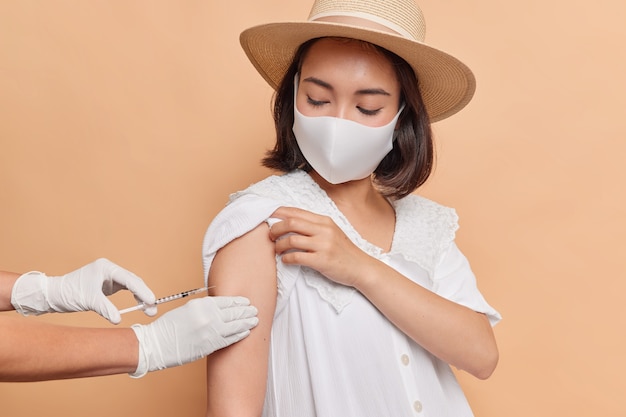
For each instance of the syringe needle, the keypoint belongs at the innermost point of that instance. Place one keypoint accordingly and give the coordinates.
(143, 306)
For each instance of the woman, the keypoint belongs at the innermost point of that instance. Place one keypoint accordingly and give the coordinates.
(364, 299)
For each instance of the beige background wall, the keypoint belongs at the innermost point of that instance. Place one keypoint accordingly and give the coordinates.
(124, 125)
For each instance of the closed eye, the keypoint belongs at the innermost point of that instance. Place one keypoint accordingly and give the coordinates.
(369, 112)
(316, 103)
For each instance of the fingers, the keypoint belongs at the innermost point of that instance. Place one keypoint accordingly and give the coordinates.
(235, 312)
(236, 337)
(290, 226)
(238, 310)
(115, 278)
(107, 310)
(150, 311)
(292, 235)
(131, 282)
(225, 302)
(291, 213)
(236, 330)
(295, 220)
(284, 212)
(225, 308)
(238, 313)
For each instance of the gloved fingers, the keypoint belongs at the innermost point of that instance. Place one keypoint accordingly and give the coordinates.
(207, 309)
(236, 337)
(238, 326)
(237, 313)
(150, 311)
(225, 301)
(107, 310)
(140, 290)
(121, 278)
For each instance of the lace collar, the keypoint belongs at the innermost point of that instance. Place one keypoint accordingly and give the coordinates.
(424, 229)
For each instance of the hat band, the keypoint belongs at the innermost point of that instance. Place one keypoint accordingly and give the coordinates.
(363, 20)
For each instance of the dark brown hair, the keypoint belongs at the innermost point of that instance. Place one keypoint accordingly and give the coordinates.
(407, 166)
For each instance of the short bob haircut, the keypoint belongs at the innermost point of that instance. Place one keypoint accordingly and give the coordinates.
(407, 166)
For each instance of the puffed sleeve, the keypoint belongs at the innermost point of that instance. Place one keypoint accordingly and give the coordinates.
(239, 217)
(455, 281)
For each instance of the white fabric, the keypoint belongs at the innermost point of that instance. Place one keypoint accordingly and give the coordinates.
(329, 147)
(334, 354)
(192, 331)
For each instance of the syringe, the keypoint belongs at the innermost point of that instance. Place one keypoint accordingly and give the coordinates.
(143, 306)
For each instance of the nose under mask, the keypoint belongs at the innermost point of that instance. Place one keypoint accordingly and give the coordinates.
(342, 150)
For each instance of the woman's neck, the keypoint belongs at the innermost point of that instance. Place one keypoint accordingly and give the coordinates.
(369, 212)
(349, 194)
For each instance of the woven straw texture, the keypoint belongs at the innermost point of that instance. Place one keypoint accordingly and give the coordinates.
(446, 84)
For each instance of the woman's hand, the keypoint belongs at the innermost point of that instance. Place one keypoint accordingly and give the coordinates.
(309, 239)
(436, 323)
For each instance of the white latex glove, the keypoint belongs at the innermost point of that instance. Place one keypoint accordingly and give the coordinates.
(193, 331)
(85, 289)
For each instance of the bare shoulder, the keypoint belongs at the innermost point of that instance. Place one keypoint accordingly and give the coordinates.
(246, 265)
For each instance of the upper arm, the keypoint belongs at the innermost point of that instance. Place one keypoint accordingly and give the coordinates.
(236, 375)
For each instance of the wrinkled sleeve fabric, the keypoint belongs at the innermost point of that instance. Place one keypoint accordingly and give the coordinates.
(239, 217)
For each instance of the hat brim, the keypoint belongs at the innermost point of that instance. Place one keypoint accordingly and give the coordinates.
(446, 84)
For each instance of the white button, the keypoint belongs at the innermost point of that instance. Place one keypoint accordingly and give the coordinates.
(417, 406)
(405, 359)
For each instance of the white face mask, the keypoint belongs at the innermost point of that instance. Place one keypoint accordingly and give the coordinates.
(341, 150)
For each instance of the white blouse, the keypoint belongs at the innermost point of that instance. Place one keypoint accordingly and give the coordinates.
(332, 353)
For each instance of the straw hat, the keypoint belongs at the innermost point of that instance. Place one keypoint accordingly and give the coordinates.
(446, 84)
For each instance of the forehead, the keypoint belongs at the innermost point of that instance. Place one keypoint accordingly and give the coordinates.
(331, 57)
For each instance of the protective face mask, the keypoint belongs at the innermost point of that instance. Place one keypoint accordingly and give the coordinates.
(341, 150)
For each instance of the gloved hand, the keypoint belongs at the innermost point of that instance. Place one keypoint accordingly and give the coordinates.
(85, 289)
(193, 331)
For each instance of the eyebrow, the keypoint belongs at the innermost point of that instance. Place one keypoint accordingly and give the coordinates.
(365, 91)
